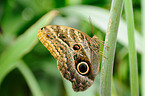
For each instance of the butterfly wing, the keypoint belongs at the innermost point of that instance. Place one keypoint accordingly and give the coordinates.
(74, 51)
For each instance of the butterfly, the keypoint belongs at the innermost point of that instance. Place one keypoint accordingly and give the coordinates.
(77, 54)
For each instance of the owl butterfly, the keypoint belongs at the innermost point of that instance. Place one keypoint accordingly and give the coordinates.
(77, 54)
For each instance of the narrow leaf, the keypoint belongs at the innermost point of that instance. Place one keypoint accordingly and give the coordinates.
(143, 54)
(132, 50)
(30, 78)
(22, 45)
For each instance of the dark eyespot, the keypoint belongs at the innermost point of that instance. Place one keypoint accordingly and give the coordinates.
(83, 68)
(76, 47)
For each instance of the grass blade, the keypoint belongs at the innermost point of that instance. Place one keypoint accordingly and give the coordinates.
(143, 55)
(22, 45)
(132, 49)
(110, 40)
(30, 79)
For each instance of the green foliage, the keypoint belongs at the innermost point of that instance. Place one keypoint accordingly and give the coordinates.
(109, 48)
(143, 55)
(19, 44)
(132, 50)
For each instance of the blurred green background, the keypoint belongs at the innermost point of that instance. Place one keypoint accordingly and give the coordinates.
(16, 16)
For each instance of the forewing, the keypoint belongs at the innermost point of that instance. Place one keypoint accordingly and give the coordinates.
(60, 41)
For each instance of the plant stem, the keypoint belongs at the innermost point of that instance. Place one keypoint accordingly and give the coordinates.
(132, 50)
(143, 55)
(30, 79)
(109, 48)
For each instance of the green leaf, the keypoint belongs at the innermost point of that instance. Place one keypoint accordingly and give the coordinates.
(22, 45)
(30, 79)
(131, 48)
(143, 54)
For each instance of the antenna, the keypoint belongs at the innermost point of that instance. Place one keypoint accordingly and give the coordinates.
(90, 20)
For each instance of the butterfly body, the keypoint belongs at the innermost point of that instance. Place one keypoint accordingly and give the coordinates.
(76, 53)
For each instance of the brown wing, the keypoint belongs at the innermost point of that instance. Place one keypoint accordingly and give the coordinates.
(75, 53)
